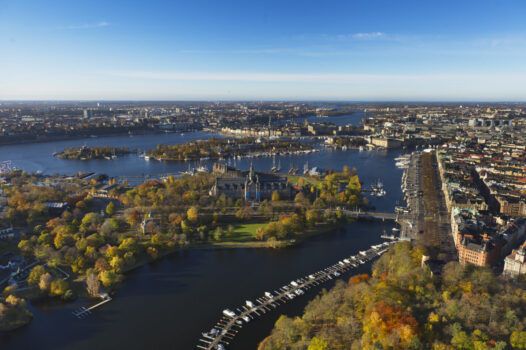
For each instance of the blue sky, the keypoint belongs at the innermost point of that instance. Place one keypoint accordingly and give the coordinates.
(303, 50)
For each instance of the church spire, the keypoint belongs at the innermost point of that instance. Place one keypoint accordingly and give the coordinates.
(251, 172)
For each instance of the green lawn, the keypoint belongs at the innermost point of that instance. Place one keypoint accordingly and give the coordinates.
(243, 232)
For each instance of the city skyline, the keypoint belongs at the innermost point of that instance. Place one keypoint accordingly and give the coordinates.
(263, 51)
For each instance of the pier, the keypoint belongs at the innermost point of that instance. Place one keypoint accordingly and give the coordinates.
(85, 311)
(224, 331)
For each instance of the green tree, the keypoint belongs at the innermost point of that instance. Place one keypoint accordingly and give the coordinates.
(108, 278)
(218, 233)
(318, 344)
(110, 208)
(35, 274)
(518, 339)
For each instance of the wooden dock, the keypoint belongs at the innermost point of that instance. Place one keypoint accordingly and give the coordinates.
(85, 311)
(233, 320)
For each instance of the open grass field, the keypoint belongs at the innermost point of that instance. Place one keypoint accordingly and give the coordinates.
(244, 232)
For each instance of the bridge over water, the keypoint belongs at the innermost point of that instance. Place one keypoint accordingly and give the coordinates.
(371, 215)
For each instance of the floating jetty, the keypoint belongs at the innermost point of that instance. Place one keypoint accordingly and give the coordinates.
(232, 320)
(85, 311)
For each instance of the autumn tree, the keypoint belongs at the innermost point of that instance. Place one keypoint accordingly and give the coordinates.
(58, 287)
(192, 214)
(45, 281)
(92, 284)
(35, 274)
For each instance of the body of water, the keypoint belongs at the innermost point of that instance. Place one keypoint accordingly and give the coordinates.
(339, 120)
(167, 304)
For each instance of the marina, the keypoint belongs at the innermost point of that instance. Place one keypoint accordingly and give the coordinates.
(231, 322)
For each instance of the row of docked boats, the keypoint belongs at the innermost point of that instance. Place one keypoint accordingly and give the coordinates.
(402, 162)
(233, 320)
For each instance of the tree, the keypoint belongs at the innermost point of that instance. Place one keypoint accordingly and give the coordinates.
(134, 218)
(192, 214)
(63, 239)
(108, 278)
(117, 263)
(301, 199)
(260, 233)
(92, 284)
(102, 265)
(518, 339)
(218, 233)
(275, 196)
(35, 274)
(90, 222)
(110, 208)
(152, 251)
(318, 344)
(45, 281)
(58, 287)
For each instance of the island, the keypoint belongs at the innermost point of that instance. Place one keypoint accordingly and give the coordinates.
(87, 153)
(219, 148)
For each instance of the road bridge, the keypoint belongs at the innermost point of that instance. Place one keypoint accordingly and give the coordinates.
(371, 215)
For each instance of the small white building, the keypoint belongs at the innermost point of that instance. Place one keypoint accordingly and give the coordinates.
(514, 264)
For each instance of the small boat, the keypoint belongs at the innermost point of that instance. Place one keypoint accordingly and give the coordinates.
(229, 313)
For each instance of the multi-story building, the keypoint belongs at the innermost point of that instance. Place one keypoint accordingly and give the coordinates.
(515, 263)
